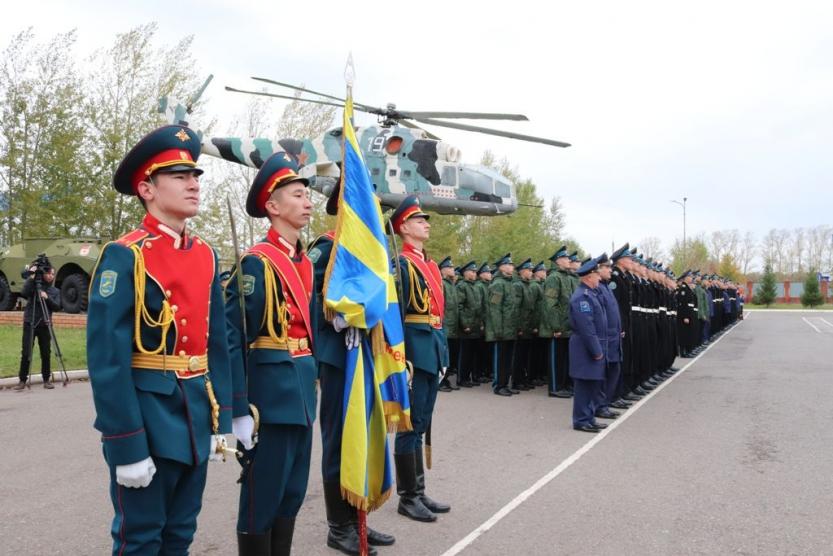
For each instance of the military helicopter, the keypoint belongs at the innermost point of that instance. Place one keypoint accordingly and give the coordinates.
(401, 157)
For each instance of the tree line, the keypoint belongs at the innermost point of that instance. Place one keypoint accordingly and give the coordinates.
(66, 122)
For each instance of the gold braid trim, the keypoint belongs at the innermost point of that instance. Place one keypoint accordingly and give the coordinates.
(422, 304)
(215, 406)
(166, 315)
(274, 305)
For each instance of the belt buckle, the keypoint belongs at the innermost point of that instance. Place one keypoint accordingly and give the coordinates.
(303, 344)
(193, 363)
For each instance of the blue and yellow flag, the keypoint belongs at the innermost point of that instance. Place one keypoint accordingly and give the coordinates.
(359, 285)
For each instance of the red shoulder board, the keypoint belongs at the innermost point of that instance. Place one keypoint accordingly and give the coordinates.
(130, 238)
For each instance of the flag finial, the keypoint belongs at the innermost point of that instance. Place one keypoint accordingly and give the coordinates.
(349, 71)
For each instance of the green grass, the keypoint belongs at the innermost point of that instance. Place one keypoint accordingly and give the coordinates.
(73, 342)
(826, 306)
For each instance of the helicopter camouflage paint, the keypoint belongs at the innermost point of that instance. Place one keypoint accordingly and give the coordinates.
(402, 159)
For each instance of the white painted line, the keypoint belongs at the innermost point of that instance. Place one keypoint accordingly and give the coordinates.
(750, 311)
(542, 482)
(825, 321)
(813, 326)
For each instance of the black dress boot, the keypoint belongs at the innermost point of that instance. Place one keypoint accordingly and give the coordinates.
(254, 544)
(375, 538)
(282, 530)
(434, 506)
(410, 504)
(341, 521)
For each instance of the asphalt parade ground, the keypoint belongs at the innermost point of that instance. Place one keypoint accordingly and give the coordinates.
(733, 455)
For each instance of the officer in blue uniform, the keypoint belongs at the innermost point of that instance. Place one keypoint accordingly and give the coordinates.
(273, 369)
(426, 349)
(162, 396)
(614, 341)
(331, 340)
(588, 347)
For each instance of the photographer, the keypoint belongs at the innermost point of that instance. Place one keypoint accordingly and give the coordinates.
(39, 279)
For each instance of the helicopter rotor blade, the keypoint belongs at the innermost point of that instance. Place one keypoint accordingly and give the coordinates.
(358, 105)
(489, 131)
(466, 115)
(275, 95)
(406, 123)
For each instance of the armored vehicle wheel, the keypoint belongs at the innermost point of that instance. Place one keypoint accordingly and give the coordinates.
(74, 293)
(7, 298)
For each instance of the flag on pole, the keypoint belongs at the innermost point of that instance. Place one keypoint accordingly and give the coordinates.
(359, 285)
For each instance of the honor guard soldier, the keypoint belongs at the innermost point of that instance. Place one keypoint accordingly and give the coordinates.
(426, 349)
(330, 343)
(470, 310)
(273, 369)
(450, 323)
(588, 347)
(502, 325)
(555, 326)
(157, 352)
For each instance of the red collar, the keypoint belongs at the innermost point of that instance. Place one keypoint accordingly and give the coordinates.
(411, 249)
(275, 239)
(157, 228)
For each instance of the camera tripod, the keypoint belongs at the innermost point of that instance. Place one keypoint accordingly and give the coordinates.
(47, 318)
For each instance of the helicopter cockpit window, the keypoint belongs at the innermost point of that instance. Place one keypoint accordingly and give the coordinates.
(449, 176)
(503, 189)
(475, 181)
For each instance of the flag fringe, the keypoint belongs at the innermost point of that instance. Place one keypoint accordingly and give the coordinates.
(396, 419)
(362, 503)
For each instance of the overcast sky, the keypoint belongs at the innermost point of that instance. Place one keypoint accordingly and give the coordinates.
(729, 104)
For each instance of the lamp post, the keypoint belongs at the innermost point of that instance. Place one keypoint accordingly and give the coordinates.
(682, 204)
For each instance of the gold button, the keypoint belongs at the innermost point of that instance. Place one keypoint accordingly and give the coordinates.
(182, 352)
(193, 363)
(174, 308)
(148, 245)
(167, 293)
(206, 319)
(184, 339)
(183, 322)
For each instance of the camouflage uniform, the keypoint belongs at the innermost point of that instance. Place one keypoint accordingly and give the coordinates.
(470, 311)
(502, 328)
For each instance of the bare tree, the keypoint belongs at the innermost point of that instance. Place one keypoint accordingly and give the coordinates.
(651, 246)
(747, 252)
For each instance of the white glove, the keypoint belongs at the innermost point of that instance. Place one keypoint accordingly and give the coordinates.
(213, 454)
(136, 475)
(339, 323)
(243, 429)
(352, 337)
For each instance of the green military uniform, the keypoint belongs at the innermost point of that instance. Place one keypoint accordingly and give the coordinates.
(538, 345)
(482, 371)
(555, 324)
(502, 326)
(450, 326)
(525, 303)
(470, 324)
